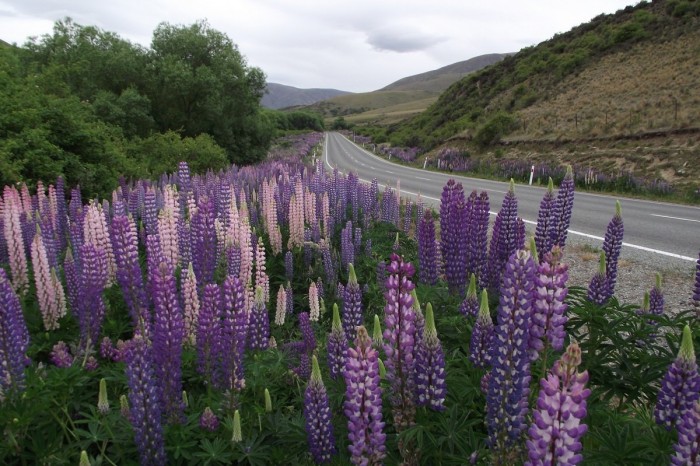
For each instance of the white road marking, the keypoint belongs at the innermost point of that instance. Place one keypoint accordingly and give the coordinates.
(421, 178)
(573, 232)
(675, 218)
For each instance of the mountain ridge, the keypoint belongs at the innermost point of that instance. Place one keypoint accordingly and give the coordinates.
(279, 96)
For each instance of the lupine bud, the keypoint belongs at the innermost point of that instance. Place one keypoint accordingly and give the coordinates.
(420, 319)
(84, 460)
(431, 388)
(470, 305)
(556, 430)
(102, 400)
(482, 335)
(377, 338)
(336, 345)
(382, 369)
(680, 387)
(317, 412)
(237, 435)
(208, 420)
(268, 401)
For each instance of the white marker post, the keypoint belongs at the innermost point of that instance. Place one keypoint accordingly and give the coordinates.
(425, 163)
(532, 174)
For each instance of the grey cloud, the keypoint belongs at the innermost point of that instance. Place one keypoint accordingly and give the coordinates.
(402, 41)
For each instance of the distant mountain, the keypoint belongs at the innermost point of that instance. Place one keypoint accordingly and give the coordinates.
(405, 97)
(281, 96)
(440, 79)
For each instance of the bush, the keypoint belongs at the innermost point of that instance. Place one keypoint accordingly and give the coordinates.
(494, 129)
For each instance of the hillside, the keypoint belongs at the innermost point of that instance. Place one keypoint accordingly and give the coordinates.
(403, 98)
(281, 96)
(440, 79)
(633, 74)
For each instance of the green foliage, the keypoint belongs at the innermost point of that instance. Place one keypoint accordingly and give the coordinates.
(494, 129)
(296, 120)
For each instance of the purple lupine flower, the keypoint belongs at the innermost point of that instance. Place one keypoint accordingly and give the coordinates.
(687, 450)
(556, 430)
(150, 218)
(561, 212)
(470, 305)
(399, 336)
(107, 349)
(129, 275)
(431, 388)
(289, 266)
(599, 290)
(611, 247)
(144, 403)
(307, 332)
(289, 296)
(352, 304)
(168, 333)
(14, 341)
(60, 355)
(336, 345)
(419, 321)
(208, 332)
(509, 385)
(208, 420)
(680, 387)
(408, 217)
(482, 335)
(504, 237)
(317, 412)
(549, 310)
(204, 242)
(347, 246)
(91, 305)
(427, 272)
(656, 298)
(477, 236)
(453, 241)
(303, 370)
(259, 335)
(363, 402)
(233, 323)
(543, 240)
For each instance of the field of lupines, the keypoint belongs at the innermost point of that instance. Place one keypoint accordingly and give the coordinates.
(279, 314)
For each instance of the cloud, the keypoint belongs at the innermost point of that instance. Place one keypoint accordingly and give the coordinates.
(402, 41)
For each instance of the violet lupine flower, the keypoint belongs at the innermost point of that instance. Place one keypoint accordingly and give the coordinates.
(208, 336)
(611, 247)
(336, 345)
(427, 272)
(561, 212)
(482, 335)
(289, 266)
(91, 305)
(14, 341)
(317, 413)
(556, 430)
(599, 289)
(470, 304)
(696, 290)
(259, 335)
(453, 241)
(307, 332)
(352, 304)
(419, 322)
(347, 246)
(399, 336)
(129, 275)
(363, 402)
(687, 450)
(60, 355)
(477, 236)
(509, 385)
(168, 333)
(543, 239)
(504, 237)
(144, 403)
(656, 298)
(549, 310)
(204, 242)
(233, 324)
(208, 420)
(289, 296)
(431, 388)
(680, 387)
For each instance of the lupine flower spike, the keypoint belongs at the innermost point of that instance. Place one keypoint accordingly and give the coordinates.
(102, 400)
(430, 367)
(317, 412)
(470, 305)
(557, 428)
(268, 401)
(598, 289)
(336, 345)
(680, 387)
(237, 435)
(377, 338)
(480, 344)
(208, 420)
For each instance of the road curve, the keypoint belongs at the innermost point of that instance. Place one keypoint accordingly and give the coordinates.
(669, 231)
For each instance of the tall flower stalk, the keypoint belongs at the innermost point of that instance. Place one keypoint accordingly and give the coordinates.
(431, 387)
(317, 412)
(336, 345)
(482, 335)
(14, 341)
(352, 304)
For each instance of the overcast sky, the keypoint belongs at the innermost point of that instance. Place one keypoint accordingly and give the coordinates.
(356, 45)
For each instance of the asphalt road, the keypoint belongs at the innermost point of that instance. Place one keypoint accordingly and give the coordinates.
(670, 231)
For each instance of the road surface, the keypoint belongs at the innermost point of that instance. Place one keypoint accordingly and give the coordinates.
(670, 231)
